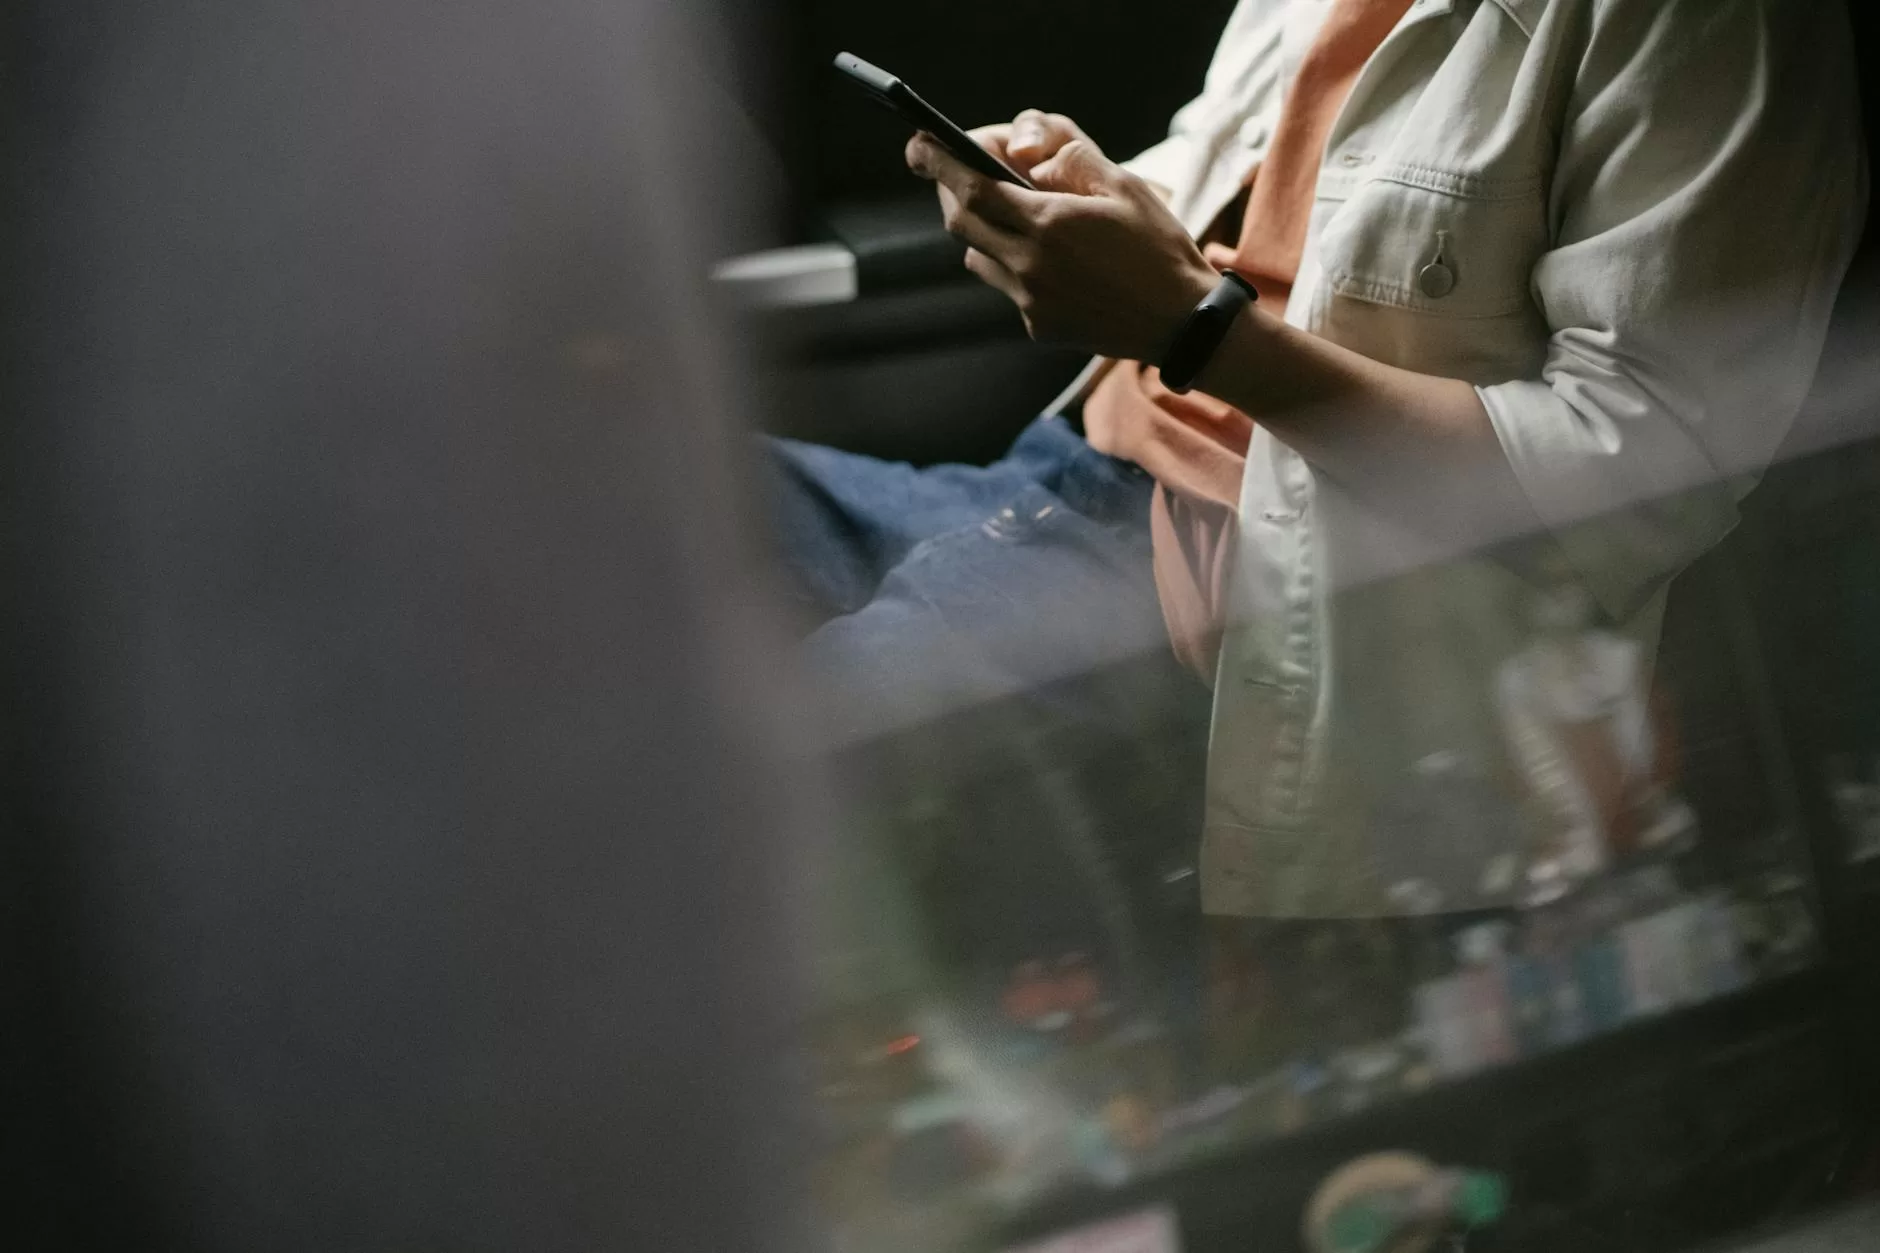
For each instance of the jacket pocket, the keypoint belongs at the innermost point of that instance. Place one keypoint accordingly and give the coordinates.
(1437, 242)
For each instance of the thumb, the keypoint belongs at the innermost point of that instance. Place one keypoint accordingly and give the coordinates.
(1079, 167)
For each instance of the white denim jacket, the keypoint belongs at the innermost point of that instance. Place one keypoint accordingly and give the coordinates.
(1623, 221)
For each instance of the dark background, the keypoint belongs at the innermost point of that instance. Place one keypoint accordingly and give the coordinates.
(1119, 67)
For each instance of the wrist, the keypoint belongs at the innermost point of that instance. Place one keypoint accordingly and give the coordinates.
(1250, 337)
(1192, 287)
(1209, 323)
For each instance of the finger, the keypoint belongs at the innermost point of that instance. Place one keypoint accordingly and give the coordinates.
(996, 139)
(1080, 168)
(992, 274)
(995, 241)
(999, 203)
(918, 154)
(1037, 136)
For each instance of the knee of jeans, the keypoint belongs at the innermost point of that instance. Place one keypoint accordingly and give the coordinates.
(888, 670)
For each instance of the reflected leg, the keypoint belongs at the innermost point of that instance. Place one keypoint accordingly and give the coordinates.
(1007, 702)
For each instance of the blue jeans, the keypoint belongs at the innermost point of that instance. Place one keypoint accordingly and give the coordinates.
(991, 645)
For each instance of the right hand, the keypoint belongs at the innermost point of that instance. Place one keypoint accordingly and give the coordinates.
(1091, 256)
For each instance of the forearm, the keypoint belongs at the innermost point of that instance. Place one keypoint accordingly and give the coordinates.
(1414, 445)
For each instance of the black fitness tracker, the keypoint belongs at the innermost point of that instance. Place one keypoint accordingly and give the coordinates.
(1202, 333)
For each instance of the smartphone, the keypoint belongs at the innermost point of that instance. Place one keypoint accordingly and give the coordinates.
(891, 93)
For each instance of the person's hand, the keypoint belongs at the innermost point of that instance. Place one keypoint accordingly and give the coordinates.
(1028, 140)
(1032, 138)
(1092, 258)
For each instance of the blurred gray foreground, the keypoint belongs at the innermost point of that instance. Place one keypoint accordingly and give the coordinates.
(396, 858)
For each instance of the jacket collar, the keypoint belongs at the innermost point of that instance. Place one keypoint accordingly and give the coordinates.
(1523, 13)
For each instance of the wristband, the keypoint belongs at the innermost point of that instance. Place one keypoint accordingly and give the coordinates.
(1194, 345)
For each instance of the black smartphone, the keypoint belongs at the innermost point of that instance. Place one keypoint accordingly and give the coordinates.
(891, 93)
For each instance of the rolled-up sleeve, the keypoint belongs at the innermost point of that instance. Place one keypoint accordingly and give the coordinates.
(1708, 194)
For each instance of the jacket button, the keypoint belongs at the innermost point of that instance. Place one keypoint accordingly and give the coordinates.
(1436, 280)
